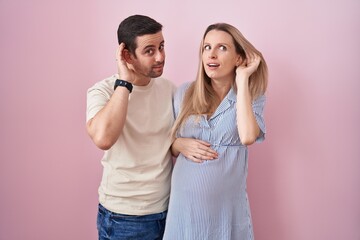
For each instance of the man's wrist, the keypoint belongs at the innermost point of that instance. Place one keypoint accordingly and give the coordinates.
(123, 83)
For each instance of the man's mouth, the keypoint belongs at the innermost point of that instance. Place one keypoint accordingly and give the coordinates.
(159, 66)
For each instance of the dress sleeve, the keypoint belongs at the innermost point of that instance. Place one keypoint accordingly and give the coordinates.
(258, 109)
(178, 98)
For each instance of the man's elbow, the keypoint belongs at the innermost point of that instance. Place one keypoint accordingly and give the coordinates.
(102, 142)
(100, 139)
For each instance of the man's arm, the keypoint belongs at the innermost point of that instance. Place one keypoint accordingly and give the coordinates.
(106, 126)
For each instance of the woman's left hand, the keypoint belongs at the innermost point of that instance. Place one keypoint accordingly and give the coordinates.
(248, 66)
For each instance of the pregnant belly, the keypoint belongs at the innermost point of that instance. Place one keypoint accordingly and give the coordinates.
(210, 179)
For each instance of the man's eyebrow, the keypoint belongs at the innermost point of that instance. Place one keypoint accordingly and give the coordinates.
(149, 46)
(152, 45)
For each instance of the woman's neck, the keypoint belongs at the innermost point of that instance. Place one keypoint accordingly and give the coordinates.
(221, 88)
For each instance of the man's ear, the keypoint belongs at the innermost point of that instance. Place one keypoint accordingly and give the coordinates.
(127, 56)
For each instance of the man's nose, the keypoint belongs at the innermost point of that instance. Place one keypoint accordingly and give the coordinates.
(160, 56)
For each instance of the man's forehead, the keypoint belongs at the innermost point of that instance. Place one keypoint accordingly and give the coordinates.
(149, 40)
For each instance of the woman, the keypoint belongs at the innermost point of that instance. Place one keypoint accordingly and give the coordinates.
(217, 117)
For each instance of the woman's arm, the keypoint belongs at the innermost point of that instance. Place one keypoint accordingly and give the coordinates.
(247, 126)
(193, 149)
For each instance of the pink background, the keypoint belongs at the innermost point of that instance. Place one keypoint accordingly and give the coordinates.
(303, 180)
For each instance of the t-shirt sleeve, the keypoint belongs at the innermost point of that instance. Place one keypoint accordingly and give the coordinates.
(97, 97)
(258, 109)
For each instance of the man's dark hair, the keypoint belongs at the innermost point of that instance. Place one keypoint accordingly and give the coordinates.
(134, 26)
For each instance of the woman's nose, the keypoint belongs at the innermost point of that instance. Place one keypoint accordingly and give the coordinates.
(212, 54)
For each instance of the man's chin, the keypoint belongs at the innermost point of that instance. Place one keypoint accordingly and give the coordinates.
(156, 74)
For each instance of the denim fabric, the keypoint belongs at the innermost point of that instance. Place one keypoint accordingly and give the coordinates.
(114, 226)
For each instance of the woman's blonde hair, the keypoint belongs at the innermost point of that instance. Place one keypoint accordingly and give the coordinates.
(200, 98)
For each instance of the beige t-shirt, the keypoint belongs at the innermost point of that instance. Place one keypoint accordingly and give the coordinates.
(137, 168)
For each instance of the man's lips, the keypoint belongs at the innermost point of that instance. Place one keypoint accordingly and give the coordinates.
(158, 66)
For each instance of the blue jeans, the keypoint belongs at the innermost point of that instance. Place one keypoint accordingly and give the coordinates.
(114, 226)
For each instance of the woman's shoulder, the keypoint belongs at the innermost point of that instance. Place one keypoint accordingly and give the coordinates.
(182, 88)
(179, 95)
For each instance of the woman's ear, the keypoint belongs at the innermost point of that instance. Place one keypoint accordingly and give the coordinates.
(238, 61)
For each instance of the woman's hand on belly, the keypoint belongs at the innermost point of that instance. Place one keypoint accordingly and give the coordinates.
(193, 149)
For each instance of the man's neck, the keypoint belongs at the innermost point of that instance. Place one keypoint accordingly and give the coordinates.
(141, 81)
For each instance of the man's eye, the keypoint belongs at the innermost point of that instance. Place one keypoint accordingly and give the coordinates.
(161, 47)
(150, 51)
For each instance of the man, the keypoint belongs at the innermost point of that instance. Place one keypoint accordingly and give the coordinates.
(130, 115)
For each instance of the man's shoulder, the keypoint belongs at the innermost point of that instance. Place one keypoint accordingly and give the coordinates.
(105, 84)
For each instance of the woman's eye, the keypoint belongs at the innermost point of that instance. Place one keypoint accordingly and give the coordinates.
(207, 47)
(223, 48)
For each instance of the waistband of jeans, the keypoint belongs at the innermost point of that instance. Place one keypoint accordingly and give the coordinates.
(149, 217)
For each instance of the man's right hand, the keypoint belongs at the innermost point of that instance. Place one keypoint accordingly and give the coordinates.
(125, 70)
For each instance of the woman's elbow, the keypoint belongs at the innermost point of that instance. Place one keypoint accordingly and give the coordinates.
(248, 139)
(248, 142)
(175, 153)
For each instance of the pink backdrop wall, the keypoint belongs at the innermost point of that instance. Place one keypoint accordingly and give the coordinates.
(303, 181)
